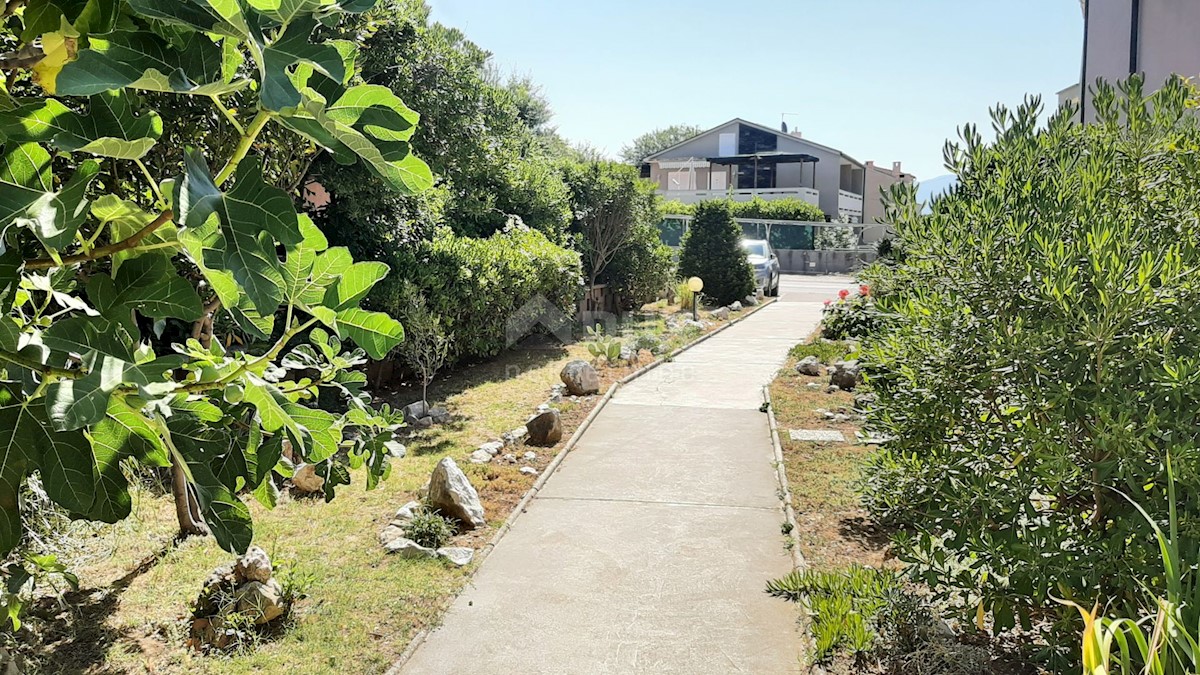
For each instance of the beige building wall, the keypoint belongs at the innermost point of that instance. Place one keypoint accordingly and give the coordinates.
(1167, 42)
(879, 178)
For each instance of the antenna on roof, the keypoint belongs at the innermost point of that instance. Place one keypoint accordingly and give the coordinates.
(783, 127)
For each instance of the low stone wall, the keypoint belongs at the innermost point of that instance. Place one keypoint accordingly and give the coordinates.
(823, 262)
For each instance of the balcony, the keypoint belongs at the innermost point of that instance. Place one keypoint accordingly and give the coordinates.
(850, 206)
(693, 196)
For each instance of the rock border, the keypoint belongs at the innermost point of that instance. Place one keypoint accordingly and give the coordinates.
(483, 553)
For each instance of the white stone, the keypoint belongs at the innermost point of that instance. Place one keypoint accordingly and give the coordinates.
(510, 458)
(817, 435)
(253, 566)
(408, 511)
(481, 457)
(492, 448)
(736, 306)
(721, 313)
(306, 480)
(391, 532)
(530, 456)
(453, 495)
(529, 471)
(458, 555)
(407, 548)
(809, 365)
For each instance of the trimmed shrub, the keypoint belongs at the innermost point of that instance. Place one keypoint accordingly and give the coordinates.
(1043, 359)
(789, 208)
(712, 250)
(476, 285)
(643, 270)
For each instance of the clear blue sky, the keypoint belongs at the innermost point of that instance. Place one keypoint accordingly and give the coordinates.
(878, 79)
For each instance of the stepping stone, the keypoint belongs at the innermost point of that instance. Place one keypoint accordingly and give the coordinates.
(817, 435)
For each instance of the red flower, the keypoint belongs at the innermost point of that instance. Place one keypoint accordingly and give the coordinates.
(828, 303)
(864, 290)
(843, 294)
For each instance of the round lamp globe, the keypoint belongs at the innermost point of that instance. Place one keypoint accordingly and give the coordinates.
(696, 284)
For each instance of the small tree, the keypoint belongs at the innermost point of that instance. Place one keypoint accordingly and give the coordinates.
(426, 345)
(653, 141)
(712, 250)
(610, 201)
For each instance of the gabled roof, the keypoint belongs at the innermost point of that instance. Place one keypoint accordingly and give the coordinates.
(760, 127)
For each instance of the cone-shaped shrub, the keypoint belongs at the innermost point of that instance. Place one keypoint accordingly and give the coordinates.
(712, 250)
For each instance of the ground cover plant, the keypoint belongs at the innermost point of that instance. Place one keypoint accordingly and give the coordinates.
(1040, 362)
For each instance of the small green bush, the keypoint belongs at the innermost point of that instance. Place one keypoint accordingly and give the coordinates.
(789, 208)
(429, 528)
(828, 351)
(712, 250)
(475, 285)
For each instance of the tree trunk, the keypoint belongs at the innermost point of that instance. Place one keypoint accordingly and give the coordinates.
(187, 508)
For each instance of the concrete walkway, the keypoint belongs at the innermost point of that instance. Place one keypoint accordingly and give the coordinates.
(648, 550)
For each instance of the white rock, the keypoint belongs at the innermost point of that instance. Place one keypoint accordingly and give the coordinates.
(481, 457)
(809, 365)
(545, 407)
(736, 306)
(408, 512)
(253, 566)
(492, 448)
(813, 385)
(407, 548)
(529, 471)
(393, 531)
(510, 458)
(530, 456)
(261, 600)
(453, 495)
(721, 313)
(514, 436)
(457, 555)
(306, 480)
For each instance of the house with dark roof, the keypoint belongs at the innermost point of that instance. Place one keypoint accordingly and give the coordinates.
(744, 160)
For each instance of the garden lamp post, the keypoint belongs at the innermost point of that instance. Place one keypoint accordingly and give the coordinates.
(697, 285)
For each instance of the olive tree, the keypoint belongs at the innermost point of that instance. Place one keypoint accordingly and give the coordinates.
(111, 276)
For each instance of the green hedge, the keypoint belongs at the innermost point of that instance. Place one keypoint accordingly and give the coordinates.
(775, 209)
(475, 285)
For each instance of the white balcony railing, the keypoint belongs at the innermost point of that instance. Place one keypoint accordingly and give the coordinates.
(692, 196)
(848, 201)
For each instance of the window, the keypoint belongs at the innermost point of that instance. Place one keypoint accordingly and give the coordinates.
(751, 140)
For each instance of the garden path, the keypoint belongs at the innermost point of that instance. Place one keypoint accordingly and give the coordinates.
(648, 550)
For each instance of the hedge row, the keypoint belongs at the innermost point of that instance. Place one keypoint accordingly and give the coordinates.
(776, 209)
(477, 285)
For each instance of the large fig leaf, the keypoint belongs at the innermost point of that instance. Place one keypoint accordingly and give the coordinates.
(145, 61)
(108, 129)
(28, 198)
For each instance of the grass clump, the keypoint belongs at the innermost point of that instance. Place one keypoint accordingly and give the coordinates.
(429, 528)
(827, 351)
